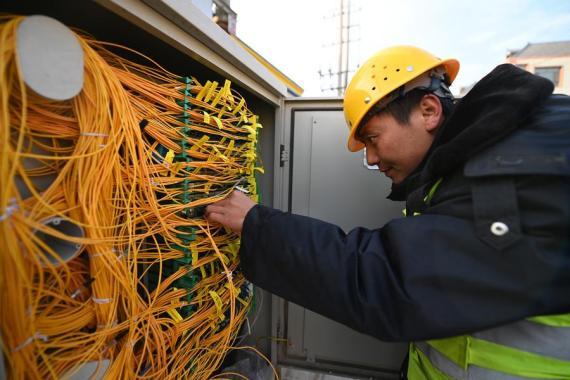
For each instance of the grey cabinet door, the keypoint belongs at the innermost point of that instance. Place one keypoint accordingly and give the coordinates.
(322, 179)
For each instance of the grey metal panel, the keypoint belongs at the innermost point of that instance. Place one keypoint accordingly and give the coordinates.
(327, 340)
(283, 122)
(301, 176)
(330, 183)
(296, 331)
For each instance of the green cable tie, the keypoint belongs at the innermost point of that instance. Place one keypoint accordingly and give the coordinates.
(181, 248)
(185, 283)
(186, 237)
(184, 260)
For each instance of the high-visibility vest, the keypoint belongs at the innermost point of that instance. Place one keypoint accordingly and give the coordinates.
(535, 348)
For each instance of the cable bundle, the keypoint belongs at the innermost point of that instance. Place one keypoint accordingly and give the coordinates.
(105, 254)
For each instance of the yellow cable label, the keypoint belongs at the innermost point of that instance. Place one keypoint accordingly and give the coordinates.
(225, 259)
(176, 168)
(222, 94)
(232, 289)
(175, 315)
(200, 142)
(169, 157)
(206, 117)
(219, 304)
(218, 122)
(250, 129)
(231, 145)
(239, 106)
(251, 181)
(217, 99)
(211, 91)
(226, 89)
(219, 154)
(203, 91)
(233, 249)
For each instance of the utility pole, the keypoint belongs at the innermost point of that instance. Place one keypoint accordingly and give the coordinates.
(341, 47)
(339, 75)
(347, 56)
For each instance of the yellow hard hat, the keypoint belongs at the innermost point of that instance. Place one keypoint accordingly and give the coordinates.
(382, 74)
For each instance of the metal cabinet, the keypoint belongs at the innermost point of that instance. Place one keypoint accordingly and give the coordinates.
(318, 177)
(179, 37)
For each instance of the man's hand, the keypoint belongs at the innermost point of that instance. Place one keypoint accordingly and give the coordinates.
(230, 212)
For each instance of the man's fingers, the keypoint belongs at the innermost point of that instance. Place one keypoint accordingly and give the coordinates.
(230, 212)
(222, 202)
(215, 207)
(215, 217)
(236, 194)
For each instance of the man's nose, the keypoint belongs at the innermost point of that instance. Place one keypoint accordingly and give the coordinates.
(371, 157)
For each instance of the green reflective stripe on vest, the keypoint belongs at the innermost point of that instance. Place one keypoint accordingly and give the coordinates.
(467, 350)
(431, 192)
(560, 320)
(406, 213)
(420, 368)
(455, 349)
(520, 363)
(427, 198)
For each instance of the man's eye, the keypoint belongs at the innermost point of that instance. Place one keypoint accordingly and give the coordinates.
(371, 139)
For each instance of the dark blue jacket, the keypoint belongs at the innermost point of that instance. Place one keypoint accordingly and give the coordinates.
(504, 156)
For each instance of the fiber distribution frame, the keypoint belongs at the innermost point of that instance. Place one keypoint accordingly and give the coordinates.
(108, 266)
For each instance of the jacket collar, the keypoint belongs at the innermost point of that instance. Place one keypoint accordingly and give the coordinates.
(494, 108)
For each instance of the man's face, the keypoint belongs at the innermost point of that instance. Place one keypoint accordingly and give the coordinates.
(398, 148)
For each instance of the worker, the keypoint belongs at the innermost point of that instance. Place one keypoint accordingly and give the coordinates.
(477, 275)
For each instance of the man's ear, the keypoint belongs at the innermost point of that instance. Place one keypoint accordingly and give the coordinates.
(432, 112)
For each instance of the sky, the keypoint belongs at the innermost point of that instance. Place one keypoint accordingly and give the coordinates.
(300, 37)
